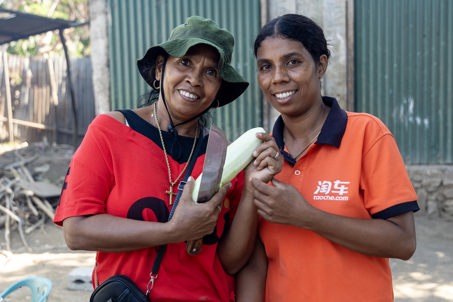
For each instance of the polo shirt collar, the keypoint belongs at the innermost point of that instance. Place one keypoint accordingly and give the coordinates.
(331, 132)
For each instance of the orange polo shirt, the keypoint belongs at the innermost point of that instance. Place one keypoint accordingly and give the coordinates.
(355, 170)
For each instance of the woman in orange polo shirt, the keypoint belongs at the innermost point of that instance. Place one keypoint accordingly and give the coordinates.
(343, 203)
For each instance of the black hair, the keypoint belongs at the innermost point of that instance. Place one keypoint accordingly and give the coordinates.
(299, 28)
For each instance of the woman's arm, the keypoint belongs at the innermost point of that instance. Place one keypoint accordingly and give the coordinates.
(251, 280)
(237, 245)
(393, 237)
(104, 232)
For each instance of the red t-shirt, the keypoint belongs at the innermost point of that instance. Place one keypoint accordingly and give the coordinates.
(353, 170)
(120, 171)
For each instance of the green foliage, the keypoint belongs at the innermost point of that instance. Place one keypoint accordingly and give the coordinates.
(77, 38)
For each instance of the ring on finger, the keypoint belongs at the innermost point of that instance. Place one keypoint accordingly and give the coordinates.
(276, 155)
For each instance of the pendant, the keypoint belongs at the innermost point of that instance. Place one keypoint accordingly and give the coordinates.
(171, 194)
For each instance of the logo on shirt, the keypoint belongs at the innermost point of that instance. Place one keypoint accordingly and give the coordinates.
(332, 190)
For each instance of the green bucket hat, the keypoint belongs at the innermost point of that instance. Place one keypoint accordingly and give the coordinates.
(198, 30)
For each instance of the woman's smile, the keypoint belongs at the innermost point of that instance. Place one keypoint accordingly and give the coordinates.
(284, 96)
(187, 95)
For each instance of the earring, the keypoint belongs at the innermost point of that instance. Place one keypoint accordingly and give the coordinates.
(215, 104)
(156, 85)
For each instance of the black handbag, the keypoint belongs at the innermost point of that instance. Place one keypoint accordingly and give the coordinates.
(118, 288)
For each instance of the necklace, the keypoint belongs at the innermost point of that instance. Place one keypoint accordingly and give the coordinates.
(306, 147)
(172, 182)
(317, 131)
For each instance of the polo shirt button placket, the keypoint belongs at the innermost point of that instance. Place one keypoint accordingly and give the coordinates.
(297, 172)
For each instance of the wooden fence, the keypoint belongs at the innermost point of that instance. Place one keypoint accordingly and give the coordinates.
(36, 105)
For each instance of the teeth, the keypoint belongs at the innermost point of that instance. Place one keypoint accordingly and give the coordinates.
(188, 94)
(285, 94)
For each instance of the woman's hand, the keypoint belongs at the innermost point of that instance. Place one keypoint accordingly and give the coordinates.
(268, 160)
(192, 221)
(392, 238)
(280, 203)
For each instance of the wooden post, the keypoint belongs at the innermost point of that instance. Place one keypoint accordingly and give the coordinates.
(54, 95)
(71, 90)
(9, 105)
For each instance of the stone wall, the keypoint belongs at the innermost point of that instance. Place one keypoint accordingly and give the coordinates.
(434, 186)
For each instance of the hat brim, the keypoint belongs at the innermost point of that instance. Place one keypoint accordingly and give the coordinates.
(233, 84)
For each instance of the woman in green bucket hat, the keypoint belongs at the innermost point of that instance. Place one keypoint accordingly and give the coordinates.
(120, 192)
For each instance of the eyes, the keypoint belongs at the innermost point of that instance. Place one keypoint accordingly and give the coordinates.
(212, 72)
(209, 71)
(184, 61)
(264, 65)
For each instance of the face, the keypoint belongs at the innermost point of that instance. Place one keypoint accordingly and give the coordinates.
(288, 76)
(191, 82)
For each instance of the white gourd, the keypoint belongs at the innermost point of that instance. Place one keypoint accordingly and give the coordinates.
(239, 154)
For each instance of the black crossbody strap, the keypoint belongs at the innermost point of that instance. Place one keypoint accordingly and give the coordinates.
(160, 253)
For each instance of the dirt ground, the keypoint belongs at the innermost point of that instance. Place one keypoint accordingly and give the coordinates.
(49, 258)
(427, 277)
